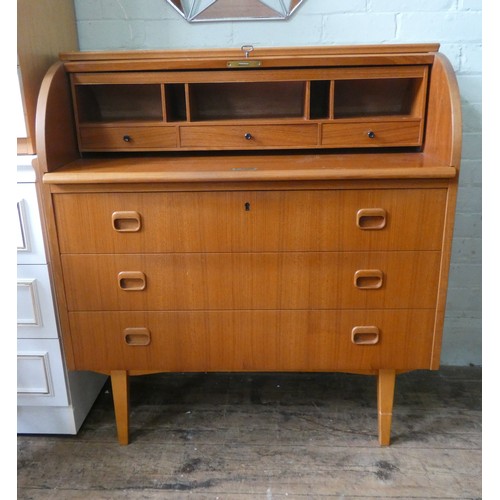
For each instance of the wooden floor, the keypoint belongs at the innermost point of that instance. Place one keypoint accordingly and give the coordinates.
(268, 436)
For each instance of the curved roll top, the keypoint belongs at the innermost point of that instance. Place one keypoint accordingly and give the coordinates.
(55, 128)
(443, 138)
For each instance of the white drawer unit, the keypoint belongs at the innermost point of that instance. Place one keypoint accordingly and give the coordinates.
(49, 400)
(30, 245)
(39, 370)
(35, 311)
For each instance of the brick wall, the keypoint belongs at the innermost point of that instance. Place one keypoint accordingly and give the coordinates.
(456, 24)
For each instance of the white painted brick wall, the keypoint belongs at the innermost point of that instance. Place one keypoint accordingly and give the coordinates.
(456, 24)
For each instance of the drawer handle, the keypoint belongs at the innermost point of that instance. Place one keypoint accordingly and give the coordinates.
(248, 136)
(131, 281)
(126, 222)
(368, 279)
(137, 336)
(365, 335)
(371, 134)
(371, 218)
(127, 138)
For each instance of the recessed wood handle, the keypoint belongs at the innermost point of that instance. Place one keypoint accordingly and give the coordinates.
(365, 335)
(371, 218)
(126, 221)
(131, 281)
(368, 279)
(134, 336)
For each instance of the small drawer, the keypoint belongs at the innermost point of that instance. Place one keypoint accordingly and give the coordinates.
(248, 136)
(127, 138)
(372, 134)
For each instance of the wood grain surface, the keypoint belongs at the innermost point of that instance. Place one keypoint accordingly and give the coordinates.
(256, 221)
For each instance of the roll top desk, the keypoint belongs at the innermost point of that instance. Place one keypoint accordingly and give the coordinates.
(285, 210)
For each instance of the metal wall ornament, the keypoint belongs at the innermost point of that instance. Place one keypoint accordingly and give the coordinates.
(235, 10)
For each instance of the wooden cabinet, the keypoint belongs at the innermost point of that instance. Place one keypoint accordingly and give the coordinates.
(295, 215)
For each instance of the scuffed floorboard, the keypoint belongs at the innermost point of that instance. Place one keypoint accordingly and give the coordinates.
(268, 436)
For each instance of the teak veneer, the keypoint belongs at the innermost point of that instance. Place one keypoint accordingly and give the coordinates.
(290, 211)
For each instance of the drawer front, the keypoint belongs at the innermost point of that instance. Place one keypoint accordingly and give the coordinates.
(35, 309)
(248, 136)
(30, 246)
(215, 281)
(372, 134)
(41, 377)
(127, 138)
(256, 221)
(252, 340)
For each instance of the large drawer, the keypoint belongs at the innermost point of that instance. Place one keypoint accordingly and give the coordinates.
(248, 136)
(288, 280)
(253, 340)
(255, 221)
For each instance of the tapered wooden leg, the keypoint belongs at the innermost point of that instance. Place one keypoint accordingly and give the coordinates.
(385, 397)
(120, 388)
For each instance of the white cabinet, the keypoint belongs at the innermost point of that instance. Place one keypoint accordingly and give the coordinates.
(50, 400)
(35, 315)
(30, 245)
(41, 377)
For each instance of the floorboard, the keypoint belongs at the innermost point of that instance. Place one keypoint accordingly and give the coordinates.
(268, 436)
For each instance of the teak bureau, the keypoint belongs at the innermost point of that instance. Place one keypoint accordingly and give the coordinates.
(280, 210)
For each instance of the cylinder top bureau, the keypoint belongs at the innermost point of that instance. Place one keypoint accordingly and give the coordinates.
(274, 210)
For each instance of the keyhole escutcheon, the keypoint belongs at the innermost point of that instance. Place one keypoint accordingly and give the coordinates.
(247, 206)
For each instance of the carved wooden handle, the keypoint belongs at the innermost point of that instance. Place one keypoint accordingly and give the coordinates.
(126, 221)
(131, 281)
(368, 279)
(371, 218)
(365, 335)
(134, 336)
